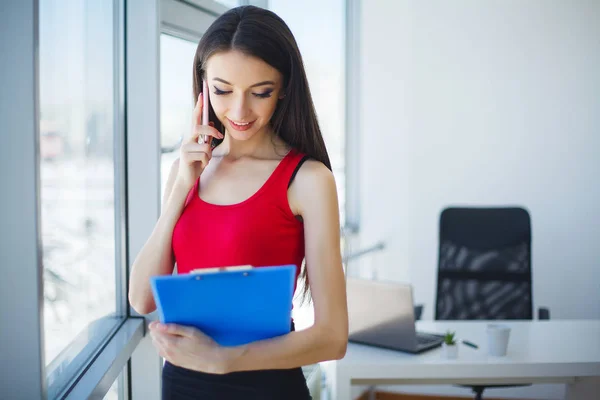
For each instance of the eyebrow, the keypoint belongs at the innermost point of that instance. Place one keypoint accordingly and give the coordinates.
(255, 85)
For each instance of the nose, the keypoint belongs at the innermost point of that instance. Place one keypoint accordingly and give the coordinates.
(239, 108)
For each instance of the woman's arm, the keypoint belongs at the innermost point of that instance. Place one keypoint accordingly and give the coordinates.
(156, 257)
(312, 195)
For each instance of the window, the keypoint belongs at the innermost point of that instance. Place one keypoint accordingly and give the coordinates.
(117, 390)
(176, 102)
(324, 63)
(77, 175)
(322, 48)
(229, 3)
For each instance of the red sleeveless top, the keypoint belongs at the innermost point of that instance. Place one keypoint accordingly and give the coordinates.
(261, 230)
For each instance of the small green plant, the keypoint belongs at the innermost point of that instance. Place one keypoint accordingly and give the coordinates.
(449, 338)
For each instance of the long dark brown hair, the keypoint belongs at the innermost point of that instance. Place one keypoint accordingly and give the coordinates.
(261, 33)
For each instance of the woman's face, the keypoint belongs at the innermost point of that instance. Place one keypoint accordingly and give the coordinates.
(244, 92)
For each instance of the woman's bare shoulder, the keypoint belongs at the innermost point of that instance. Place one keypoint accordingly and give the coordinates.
(313, 183)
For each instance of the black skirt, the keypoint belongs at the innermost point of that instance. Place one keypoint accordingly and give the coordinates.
(184, 384)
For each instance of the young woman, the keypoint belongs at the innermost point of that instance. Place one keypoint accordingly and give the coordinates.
(259, 192)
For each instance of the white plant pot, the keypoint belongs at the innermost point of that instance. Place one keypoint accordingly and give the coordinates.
(450, 351)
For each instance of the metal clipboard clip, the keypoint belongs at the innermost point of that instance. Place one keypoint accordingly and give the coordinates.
(204, 271)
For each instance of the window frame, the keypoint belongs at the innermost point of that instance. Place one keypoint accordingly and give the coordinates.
(352, 126)
(23, 332)
(143, 167)
(21, 336)
(352, 117)
(183, 19)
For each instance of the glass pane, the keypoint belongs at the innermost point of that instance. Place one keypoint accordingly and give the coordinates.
(324, 62)
(229, 3)
(176, 103)
(117, 390)
(77, 182)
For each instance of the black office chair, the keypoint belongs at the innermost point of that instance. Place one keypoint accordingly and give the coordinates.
(484, 267)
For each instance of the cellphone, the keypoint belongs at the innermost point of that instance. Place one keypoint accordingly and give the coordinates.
(205, 108)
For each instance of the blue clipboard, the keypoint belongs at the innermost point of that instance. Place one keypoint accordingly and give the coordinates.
(232, 307)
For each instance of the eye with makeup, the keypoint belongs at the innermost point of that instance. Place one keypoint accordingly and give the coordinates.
(264, 95)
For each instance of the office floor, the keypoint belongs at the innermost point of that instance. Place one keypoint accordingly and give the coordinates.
(402, 396)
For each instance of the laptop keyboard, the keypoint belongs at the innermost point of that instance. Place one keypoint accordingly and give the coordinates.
(425, 338)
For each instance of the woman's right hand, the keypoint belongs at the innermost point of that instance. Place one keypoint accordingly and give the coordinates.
(194, 154)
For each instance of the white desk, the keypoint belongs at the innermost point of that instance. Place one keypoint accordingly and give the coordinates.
(566, 351)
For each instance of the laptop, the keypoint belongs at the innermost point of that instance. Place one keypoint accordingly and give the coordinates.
(382, 314)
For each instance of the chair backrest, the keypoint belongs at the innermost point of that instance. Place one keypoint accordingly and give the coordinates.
(484, 264)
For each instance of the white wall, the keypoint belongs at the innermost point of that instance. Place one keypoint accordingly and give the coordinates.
(483, 103)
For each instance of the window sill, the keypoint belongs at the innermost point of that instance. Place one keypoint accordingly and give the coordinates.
(97, 379)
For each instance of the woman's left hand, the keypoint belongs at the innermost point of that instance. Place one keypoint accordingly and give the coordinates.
(188, 347)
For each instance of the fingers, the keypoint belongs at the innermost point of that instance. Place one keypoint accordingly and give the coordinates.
(172, 329)
(194, 147)
(207, 138)
(197, 120)
(193, 152)
(180, 330)
(203, 158)
(193, 158)
(163, 344)
(204, 102)
(197, 114)
(206, 132)
(198, 129)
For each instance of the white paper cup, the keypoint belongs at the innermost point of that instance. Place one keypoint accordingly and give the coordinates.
(498, 336)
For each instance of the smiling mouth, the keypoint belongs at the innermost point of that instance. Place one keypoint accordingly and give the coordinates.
(240, 126)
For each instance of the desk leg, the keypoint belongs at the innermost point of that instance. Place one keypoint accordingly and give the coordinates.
(342, 389)
(339, 384)
(583, 389)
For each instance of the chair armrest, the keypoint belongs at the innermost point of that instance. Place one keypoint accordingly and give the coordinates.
(543, 313)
